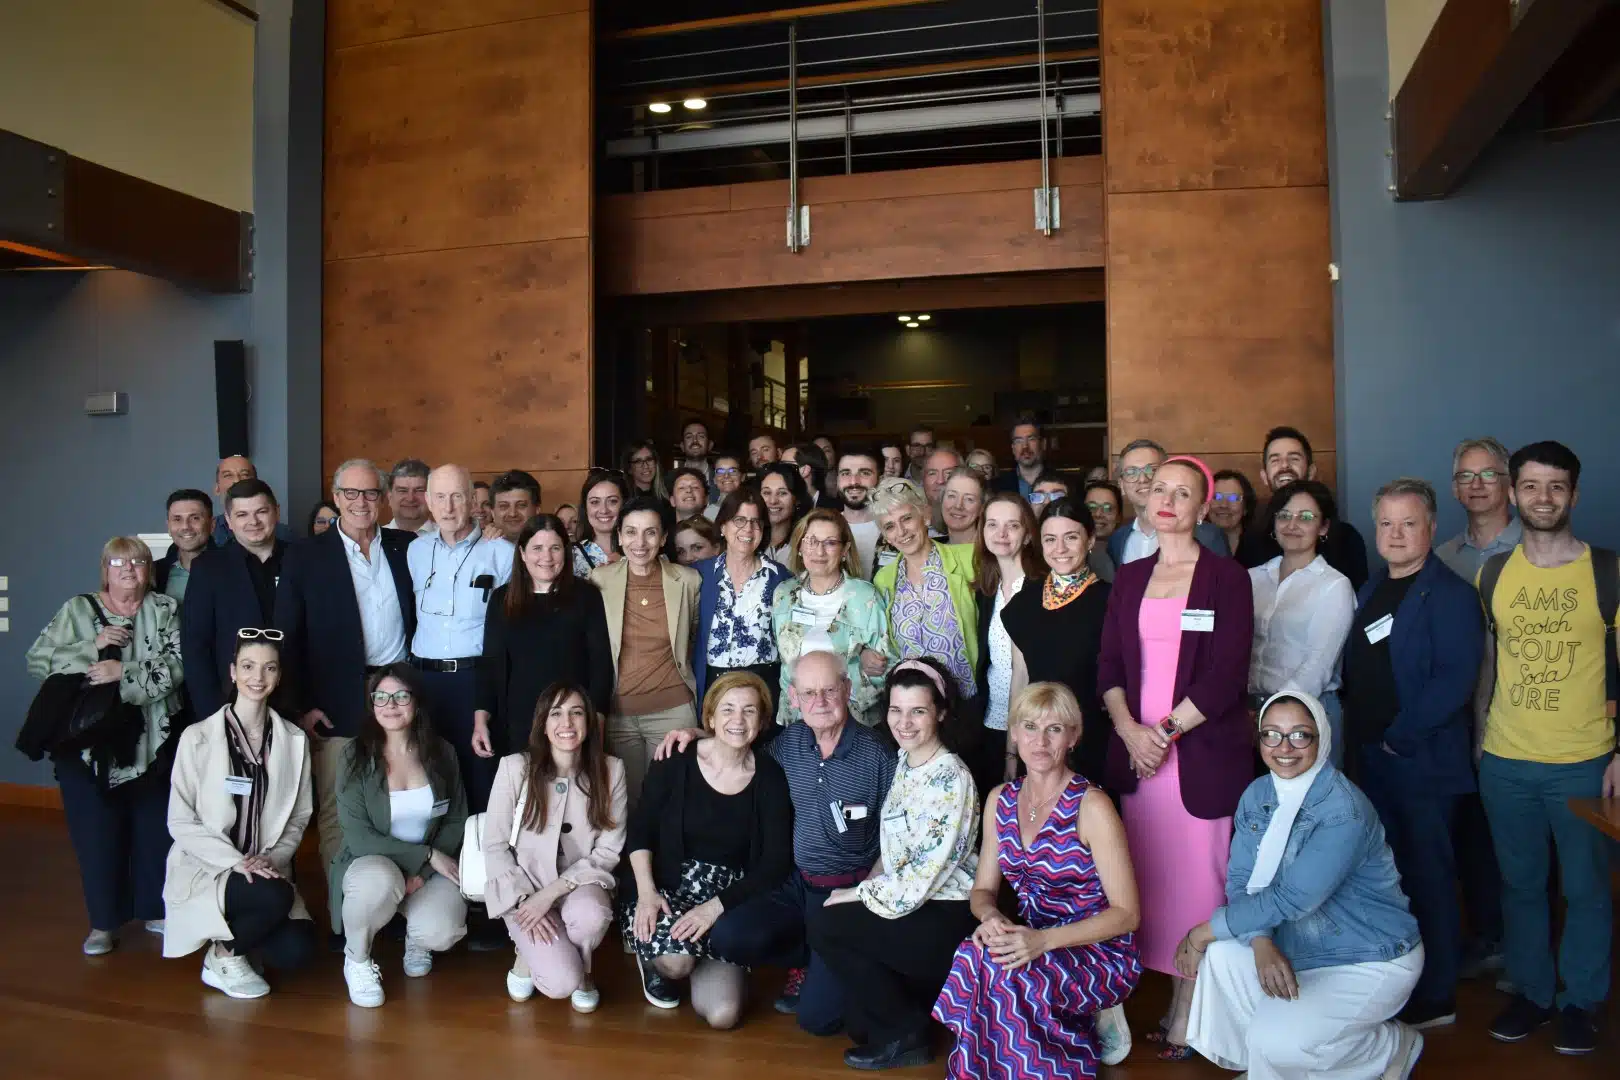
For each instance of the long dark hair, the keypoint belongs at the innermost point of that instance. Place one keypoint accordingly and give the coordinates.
(370, 740)
(986, 567)
(520, 594)
(592, 772)
(952, 731)
(278, 697)
(789, 473)
(1250, 505)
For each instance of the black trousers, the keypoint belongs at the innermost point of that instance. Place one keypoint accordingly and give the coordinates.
(121, 840)
(259, 913)
(452, 700)
(891, 970)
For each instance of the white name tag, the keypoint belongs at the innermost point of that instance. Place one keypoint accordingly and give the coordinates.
(238, 785)
(440, 808)
(887, 556)
(1198, 620)
(1379, 630)
(856, 812)
(803, 616)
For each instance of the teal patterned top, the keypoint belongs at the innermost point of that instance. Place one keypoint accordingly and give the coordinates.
(152, 669)
(863, 622)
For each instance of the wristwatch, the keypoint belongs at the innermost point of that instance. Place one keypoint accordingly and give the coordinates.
(1170, 729)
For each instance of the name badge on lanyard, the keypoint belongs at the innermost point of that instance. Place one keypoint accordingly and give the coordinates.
(239, 785)
(1198, 620)
(803, 616)
(1379, 629)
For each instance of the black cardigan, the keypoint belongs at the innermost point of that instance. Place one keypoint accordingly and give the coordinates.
(551, 643)
(658, 825)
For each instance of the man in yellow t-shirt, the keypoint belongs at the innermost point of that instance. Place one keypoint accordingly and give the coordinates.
(1549, 739)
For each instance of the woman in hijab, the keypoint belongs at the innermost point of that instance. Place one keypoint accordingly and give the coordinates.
(1302, 971)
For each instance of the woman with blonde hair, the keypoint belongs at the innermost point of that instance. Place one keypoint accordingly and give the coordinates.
(827, 607)
(116, 795)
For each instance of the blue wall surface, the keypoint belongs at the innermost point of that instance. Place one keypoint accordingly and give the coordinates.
(1493, 312)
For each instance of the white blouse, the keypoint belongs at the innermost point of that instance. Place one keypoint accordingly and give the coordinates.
(410, 812)
(929, 838)
(1300, 626)
(1001, 663)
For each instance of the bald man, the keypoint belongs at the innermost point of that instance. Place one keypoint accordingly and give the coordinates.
(229, 471)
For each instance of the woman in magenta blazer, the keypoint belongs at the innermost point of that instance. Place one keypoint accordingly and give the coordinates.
(1174, 671)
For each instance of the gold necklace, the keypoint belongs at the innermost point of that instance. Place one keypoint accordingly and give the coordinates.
(1034, 809)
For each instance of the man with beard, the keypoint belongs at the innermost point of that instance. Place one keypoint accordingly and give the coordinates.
(1549, 738)
(858, 473)
(1029, 451)
(1285, 456)
(695, 448)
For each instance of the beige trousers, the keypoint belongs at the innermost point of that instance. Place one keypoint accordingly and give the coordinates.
(632, 739)
(558, 969)
(324, 755)
(374, 891)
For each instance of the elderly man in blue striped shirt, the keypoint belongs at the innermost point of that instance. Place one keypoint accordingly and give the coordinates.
(838, 775)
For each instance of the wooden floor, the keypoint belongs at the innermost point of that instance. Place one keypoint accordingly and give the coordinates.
(132, 1014)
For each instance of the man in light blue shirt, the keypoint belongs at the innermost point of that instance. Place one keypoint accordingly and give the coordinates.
(453, 573)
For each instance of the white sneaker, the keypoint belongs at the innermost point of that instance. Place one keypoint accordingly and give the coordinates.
(1113, 1035)
(418, 958)
(155, 926)
(232, 976)
(1406, 1054)
(519, 987)
(365, 982)
(585, 999)
(98, 943)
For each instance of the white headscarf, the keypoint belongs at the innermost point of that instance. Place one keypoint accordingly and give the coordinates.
(1291, 792)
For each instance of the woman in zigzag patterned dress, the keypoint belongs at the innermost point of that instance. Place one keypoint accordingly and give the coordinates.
(1020, 998)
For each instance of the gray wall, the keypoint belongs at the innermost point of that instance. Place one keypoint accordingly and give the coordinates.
(1496, 311)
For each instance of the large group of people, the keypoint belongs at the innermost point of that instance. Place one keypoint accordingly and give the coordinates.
(818, 708)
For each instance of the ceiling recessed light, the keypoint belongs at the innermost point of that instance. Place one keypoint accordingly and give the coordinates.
(924, 318)
(904, 318)
(659, 107)
(695, 103)
(913, 325)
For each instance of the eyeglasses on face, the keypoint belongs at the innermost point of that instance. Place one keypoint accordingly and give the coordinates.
(648, 460)
(1468, 476)
(728, 471)
(1304, 517)
(252, 633)
(1100, 507)
(829, 693)
(118, 562)
(1233, 497)
(1041, 498)
(831, 543)
(745, 524)
(380, 698)
(1134, 473)
(368, 494)
(1299, 738)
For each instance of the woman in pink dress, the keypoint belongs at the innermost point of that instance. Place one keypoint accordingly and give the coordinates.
(1174, 670)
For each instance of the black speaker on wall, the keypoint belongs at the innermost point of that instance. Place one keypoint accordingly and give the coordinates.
(231, 397)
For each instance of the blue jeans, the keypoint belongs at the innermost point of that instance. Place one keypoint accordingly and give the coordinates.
(1525, 802)
(769, 931)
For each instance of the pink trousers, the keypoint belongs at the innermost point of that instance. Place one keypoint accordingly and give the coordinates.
(558, 969)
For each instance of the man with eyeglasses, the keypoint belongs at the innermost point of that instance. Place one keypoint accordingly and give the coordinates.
(1048, 488)
(1286, 456)
(1479, 481)
(839, 774)
(858, 472)
(230, 587)
(917, 451)
(1138, 463)
(453, 573)
(346, 607)
(1029, 453)
(1104, 500)
(232, 470)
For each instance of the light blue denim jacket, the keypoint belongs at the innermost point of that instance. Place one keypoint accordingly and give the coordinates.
(1336, 898)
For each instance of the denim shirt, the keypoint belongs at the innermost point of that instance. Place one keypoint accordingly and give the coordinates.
(1336, 898)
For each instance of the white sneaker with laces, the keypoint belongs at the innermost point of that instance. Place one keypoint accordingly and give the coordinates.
(365, 982)
(418, 958)
(98, 943)
(585, 999)
(1113, 1035)
(232, 976)
(519, 987)
(155, 926)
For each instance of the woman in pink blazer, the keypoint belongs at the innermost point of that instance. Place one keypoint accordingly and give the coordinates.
(553, 884)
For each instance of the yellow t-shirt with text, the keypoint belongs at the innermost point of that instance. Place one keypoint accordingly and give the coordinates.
(1550, 701)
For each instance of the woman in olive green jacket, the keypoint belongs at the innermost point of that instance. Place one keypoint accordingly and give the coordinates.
(403, 811)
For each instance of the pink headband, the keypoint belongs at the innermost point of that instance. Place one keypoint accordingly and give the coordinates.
(1187, 459)
(933, 676)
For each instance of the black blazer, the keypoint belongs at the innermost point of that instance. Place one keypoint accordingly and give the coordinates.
(324, 656)
(220, 600)
(659, 826)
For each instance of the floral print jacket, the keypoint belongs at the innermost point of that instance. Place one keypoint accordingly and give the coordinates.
(863, 623)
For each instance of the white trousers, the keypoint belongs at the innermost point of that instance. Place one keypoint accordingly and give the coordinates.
(1339, 1027)
(374, 891)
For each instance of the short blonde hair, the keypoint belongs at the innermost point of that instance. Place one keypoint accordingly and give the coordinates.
(851, 562)
(127, 547)
(737, 680)
(1044, 699)
(894, 493)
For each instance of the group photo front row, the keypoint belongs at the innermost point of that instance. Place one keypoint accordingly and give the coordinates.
(976, 777)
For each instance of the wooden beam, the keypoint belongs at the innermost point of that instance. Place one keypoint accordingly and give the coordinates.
(758, 18)
(1476, 68)
(1588, 76)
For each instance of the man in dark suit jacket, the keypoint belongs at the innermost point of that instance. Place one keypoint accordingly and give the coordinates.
(1285, 457)
(346, 607)
(1029, 451)
(231, 587)
(1138, 462)
(190, 515)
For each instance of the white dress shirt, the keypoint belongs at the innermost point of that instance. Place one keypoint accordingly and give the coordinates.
(1139, 544)
(449, 607)
(381, 624)
(1300, 626)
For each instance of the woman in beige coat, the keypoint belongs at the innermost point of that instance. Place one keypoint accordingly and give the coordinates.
(239, 800)
(552, 877)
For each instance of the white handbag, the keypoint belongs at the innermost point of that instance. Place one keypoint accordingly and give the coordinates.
(471, 869)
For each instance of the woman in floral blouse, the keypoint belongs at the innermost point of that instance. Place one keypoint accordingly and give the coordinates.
(117, 805)
(734, 601)
(827, 607)
(600, 500)
(890, 939)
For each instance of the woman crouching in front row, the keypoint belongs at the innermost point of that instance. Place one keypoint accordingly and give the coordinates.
(1300, 973)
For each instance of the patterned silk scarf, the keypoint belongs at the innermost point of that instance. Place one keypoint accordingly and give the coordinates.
(248, 762)
(1060, 590)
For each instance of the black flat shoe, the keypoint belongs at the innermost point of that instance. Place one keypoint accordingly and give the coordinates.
(899, 1054)
(659, 991)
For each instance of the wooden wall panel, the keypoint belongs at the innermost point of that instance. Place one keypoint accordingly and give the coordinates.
(478, 136)
(1213, 94)
(360, 22)
(915, 224)
(1219, 317)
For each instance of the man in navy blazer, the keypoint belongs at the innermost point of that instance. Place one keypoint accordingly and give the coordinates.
(1138, 462)
(1410, 666)
(346, 607)
(231, 587)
